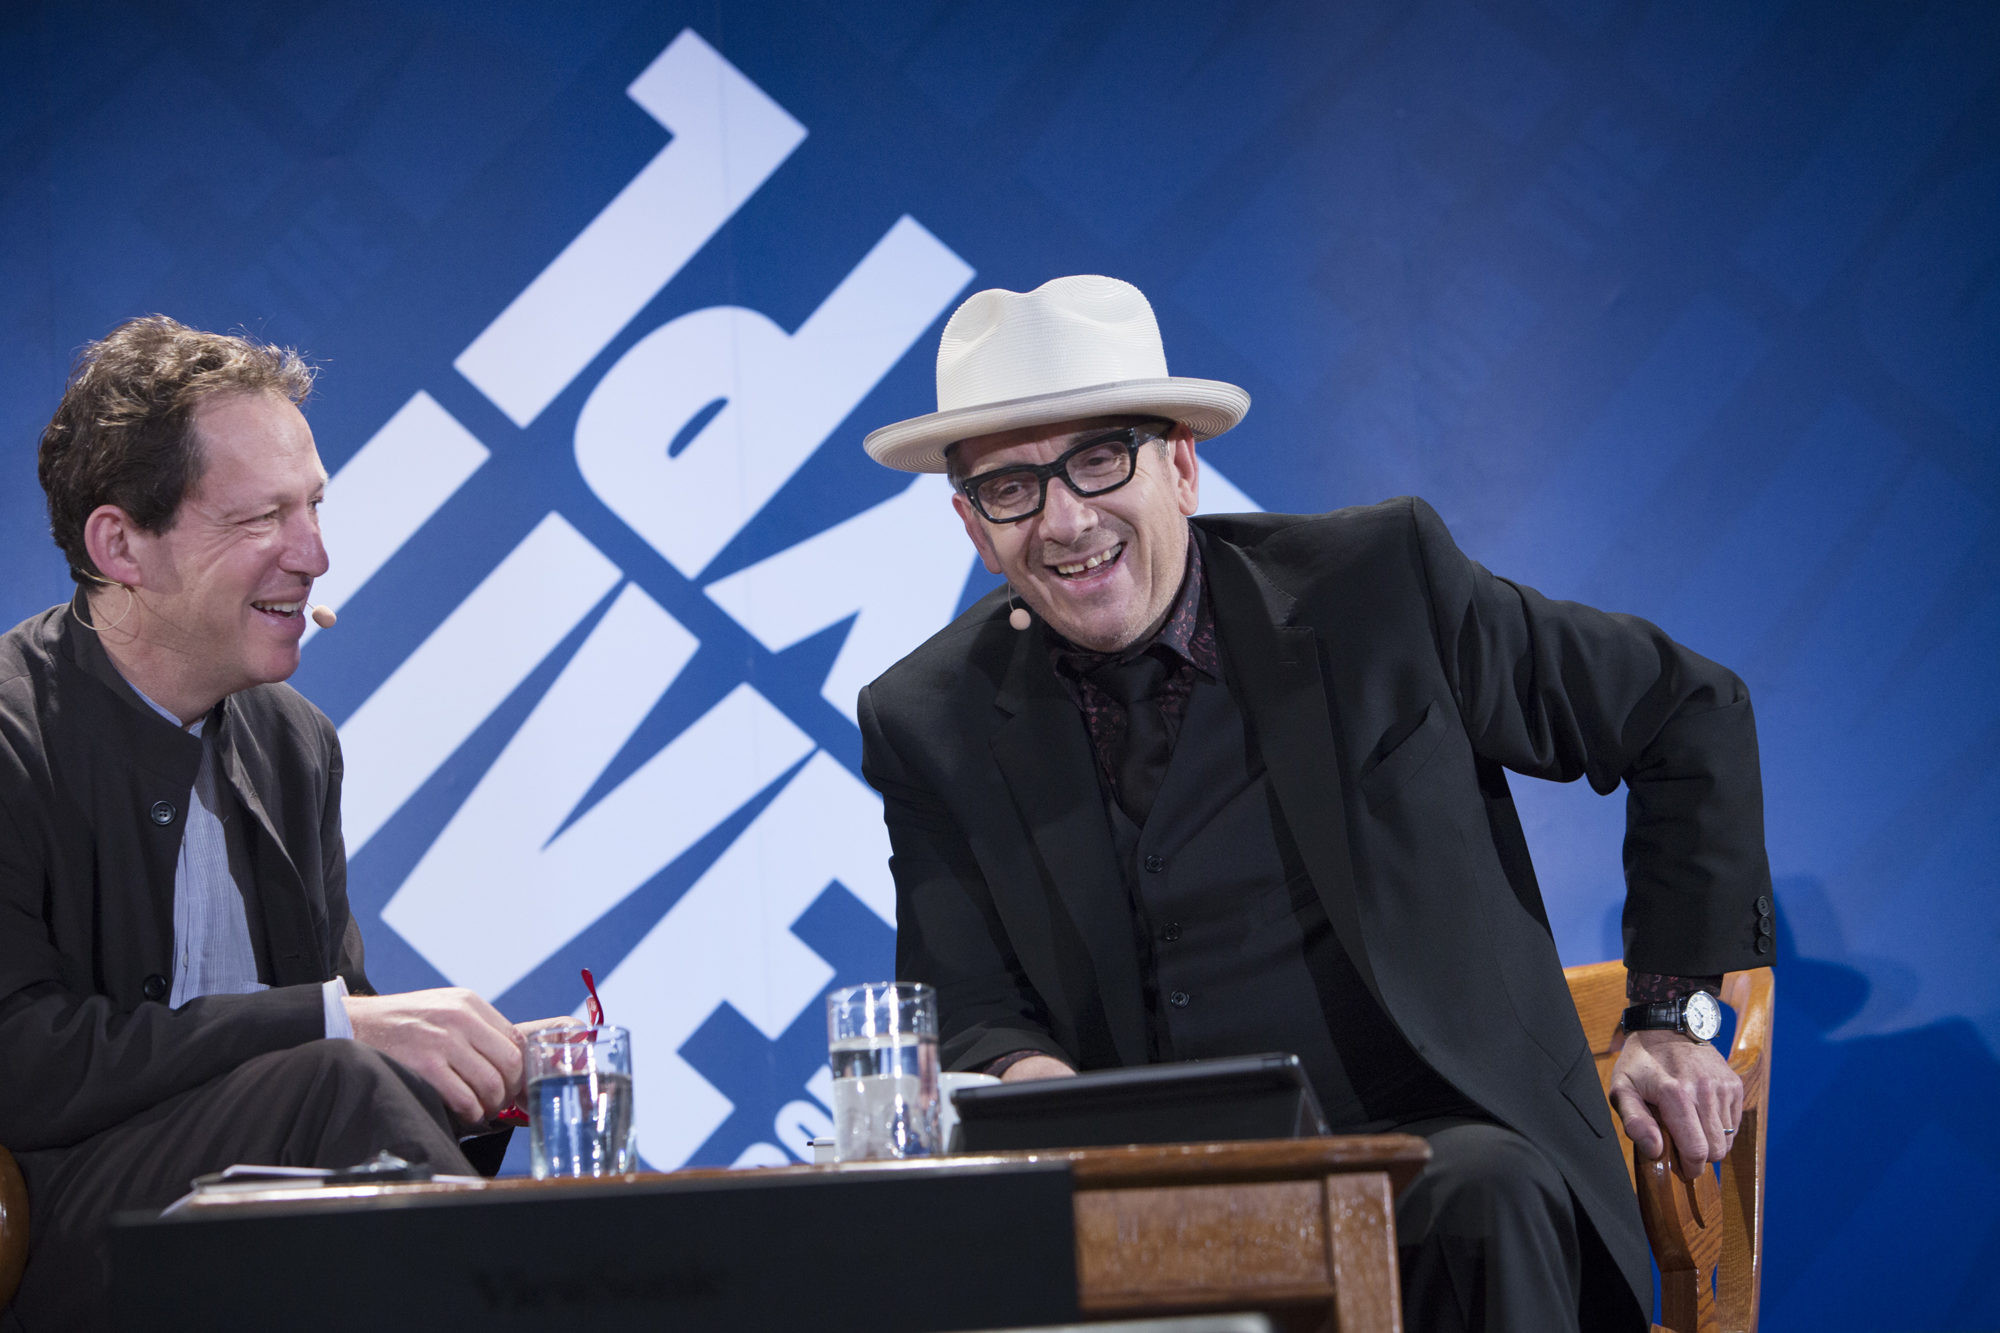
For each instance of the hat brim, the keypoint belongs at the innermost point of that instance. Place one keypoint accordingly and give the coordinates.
(1205, 407)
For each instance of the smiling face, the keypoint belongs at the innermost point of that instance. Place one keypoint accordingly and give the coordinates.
(220, 594)
(1101, 571)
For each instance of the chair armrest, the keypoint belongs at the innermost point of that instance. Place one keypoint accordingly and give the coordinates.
(13, 1227)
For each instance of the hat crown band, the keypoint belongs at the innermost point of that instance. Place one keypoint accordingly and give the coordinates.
(1023, 345)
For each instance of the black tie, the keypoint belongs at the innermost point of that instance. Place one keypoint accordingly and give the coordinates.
(1142, 764)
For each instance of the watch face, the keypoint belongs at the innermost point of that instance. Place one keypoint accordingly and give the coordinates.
(1703, 1016)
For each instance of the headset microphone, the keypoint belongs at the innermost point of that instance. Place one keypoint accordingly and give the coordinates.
(1017, 616)
(324, 617)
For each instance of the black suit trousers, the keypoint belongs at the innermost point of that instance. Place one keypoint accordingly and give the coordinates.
(1491, 1240)
(326, 1103)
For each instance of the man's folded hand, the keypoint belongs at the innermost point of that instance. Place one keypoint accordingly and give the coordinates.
(1667, 1088)
(452, 1039)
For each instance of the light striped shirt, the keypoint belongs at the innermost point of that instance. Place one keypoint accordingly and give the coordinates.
(213, 954)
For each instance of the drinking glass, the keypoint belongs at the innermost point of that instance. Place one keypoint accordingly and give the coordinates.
(882, 1044)
(580, 1102)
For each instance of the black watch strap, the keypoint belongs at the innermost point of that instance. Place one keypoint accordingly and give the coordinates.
(1658, 1016)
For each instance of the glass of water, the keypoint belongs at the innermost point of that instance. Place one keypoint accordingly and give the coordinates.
(580, 1102)
(882, 1040)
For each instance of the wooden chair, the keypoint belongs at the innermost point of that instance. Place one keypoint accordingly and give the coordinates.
(13, 1227)
(1708, 1236)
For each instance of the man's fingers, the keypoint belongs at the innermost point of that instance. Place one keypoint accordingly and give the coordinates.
(461, 1077)
(1683, 1125)
(481, 1046)
(1730, 1115)
(500, 1050)
(1717, 1122)
(1036, 1067)
(544, 1024)
(453, 1039)
(1680, 1119)
(487, 1083)
(483, 1008)
(459, 1098)
(1640, 1127)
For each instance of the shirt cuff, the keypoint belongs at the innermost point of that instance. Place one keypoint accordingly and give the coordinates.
(332, 998)
(1654, 987)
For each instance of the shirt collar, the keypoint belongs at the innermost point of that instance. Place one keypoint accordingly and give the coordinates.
(80, 642)
(193, 728)
(1187, 633)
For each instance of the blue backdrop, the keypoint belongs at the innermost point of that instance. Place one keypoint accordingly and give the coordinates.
(1689, 310)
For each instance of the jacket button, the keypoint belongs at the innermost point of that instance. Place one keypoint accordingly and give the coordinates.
(163, 813)
(1764, 926)
(1763, 944)
(155, 987)
(1155, 864)
(1763, 905)
(1179, 999)
(1172, 932)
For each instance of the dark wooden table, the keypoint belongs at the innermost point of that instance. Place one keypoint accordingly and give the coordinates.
(1302, 1230)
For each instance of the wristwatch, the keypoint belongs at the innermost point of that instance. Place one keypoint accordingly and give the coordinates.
(1695, 1016)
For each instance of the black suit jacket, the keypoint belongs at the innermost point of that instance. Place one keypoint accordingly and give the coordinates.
(1389, 681)
(87, 886)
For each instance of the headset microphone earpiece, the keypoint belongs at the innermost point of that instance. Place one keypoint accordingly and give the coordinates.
(324, 617)
(1018, 617)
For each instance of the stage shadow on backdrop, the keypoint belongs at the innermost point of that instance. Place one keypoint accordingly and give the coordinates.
(1884, 1160)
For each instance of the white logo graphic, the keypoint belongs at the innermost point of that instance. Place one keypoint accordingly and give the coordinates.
(517, 854)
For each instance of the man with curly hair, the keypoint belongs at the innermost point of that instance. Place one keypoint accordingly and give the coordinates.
(181, 981)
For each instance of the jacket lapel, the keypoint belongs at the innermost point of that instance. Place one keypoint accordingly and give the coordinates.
(1044, 755)
(1282, 694)
(294, 931)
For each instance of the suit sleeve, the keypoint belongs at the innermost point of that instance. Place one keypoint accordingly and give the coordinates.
(1558, 690)
(948, 933)
(73, 1063)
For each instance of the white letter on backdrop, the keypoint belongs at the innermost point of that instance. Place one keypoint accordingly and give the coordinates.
(783, 396)
(466, 669)
(502, 851)
(825, 579)
(729, 939)
(728, 139)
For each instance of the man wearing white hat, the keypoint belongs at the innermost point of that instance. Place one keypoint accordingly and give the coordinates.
(1234, 784)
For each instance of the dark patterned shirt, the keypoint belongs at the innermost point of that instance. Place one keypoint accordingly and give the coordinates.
(1653, 988)
(1186, 642)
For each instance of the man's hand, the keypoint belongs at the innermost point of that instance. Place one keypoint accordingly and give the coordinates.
(541, 1024)
(1664, 1082)
(452, 1039)
(1032, 1067)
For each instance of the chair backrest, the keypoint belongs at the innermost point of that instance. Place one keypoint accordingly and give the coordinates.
(13, 1227)
(1708, 1236)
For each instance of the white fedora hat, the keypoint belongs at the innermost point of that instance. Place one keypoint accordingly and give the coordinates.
(1073, 347)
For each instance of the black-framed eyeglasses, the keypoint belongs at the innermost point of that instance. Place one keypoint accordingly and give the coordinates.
(1102, 463)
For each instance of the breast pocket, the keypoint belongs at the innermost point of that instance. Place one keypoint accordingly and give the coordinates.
(1405, 758)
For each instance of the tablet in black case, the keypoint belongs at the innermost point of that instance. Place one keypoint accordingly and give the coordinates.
(1239, 1097)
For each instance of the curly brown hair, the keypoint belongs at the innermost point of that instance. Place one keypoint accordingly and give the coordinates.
(123, 435)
